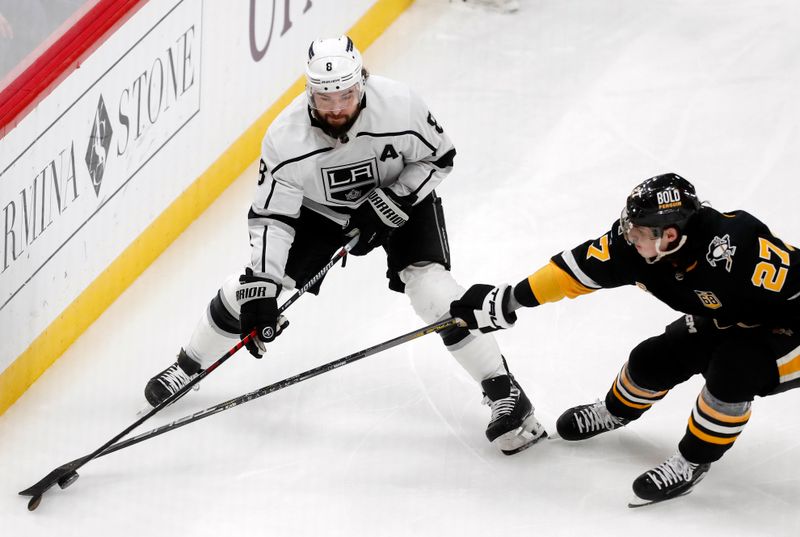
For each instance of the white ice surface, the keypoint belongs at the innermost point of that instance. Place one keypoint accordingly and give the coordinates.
(556, 111)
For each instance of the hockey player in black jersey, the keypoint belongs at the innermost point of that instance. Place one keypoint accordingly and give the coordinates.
(739, 288)
(355, 154)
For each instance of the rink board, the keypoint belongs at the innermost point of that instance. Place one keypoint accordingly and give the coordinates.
(96, 180)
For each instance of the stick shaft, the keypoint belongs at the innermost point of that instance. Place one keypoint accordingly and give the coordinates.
(74, 465)
(285, 383)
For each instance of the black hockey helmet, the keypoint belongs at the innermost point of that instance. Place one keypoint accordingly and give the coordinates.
(662, 201)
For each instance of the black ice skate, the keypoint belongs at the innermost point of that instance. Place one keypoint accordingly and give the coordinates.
(172, 379)
(512, 426)
(672, 478)
(585, 421)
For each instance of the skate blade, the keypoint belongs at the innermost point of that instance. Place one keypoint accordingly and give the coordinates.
(521, 438)
(144, 410)
(641, 502)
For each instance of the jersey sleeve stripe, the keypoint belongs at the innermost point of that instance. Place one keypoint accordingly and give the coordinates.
(277, 221)
(301, 157)
(264, 250)
(258, 218)
(789, 366)
(424, 182)
(271, 192)
(582, 277)
(551, 283)
(400, 133)
(446, 160)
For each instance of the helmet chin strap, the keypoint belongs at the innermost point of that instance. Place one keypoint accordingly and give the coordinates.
(660, 254)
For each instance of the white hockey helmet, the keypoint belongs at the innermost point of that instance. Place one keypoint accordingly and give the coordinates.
(334, 65)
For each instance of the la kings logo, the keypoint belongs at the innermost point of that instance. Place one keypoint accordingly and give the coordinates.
(348, 184)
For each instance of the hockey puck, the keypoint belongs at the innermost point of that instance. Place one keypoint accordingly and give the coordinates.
(34, 503)
(68, 479)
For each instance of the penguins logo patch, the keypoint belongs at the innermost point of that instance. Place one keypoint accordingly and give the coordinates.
(720, 249)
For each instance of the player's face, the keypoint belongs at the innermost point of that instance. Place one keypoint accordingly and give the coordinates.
(337, 108)
(643, 239)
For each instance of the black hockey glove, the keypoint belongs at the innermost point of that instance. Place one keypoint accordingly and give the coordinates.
(382, 212)
(485, 308)
(258, 303)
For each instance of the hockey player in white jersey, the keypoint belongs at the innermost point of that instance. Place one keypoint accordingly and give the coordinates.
(356, 154)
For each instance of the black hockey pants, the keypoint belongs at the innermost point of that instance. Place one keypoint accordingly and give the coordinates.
(738, 363)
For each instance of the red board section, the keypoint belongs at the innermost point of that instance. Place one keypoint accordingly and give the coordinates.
(64, 55)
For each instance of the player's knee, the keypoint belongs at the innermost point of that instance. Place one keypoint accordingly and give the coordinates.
(430, 288)
(454, 335)
(220, 317)
(644, 364)
(223, 311)
(732, 377)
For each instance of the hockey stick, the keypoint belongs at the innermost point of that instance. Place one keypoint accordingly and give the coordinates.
(285, 383)
(66, 474)
(68, 469)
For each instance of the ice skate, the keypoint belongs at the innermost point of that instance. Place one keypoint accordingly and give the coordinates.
(172, 379)
(672, 478)
(585, 421)
(512, 427)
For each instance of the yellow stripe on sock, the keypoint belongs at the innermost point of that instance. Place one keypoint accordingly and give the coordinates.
(631, 387)
(707, 437)
(626, 402)
(717, 415)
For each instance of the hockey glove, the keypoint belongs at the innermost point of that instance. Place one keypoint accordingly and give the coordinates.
(382, 212)
(485, 308)
(257, 298)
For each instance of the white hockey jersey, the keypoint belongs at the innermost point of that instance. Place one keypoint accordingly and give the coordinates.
(395, 143)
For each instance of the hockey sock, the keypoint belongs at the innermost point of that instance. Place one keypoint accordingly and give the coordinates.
(713, 427)
(628, 400)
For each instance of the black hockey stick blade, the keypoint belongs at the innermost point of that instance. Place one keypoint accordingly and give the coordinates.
(63, 476)
(66, 474)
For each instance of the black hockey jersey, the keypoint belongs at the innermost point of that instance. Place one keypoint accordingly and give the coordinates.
(732, 269)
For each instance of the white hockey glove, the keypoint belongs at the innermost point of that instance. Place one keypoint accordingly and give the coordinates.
(258, 305)
(485, 308)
